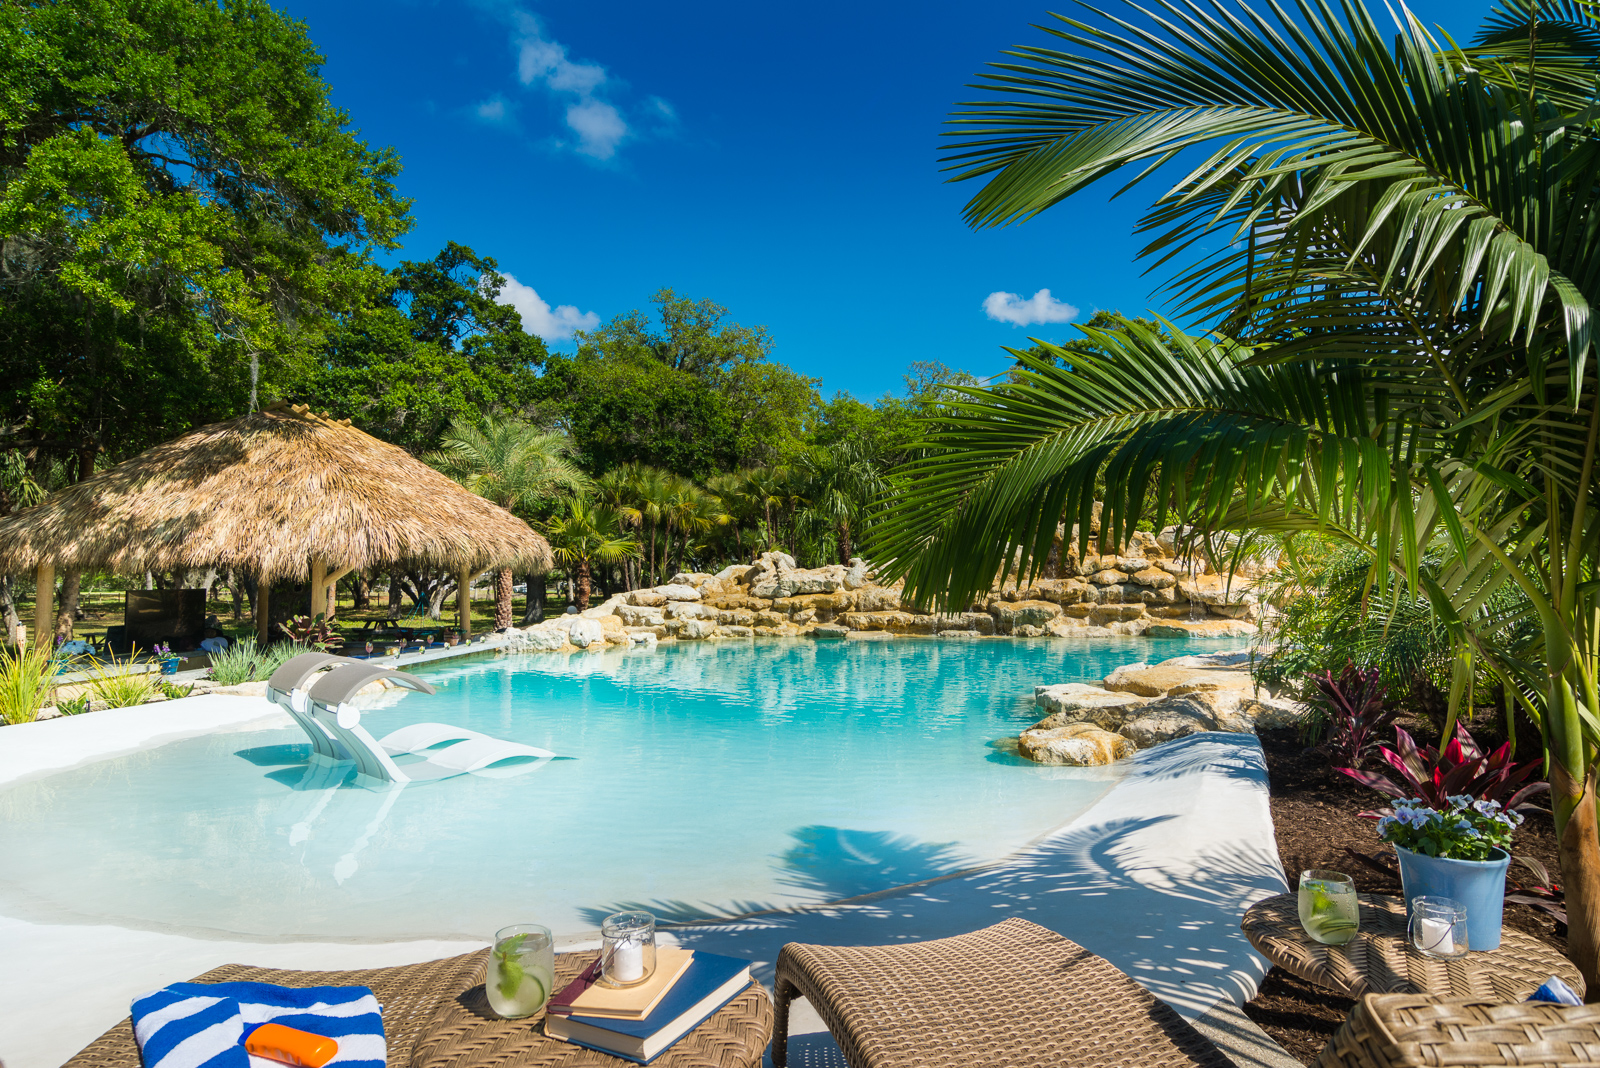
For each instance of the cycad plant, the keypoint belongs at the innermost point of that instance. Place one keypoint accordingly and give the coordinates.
(1399, 244)
(514, 464)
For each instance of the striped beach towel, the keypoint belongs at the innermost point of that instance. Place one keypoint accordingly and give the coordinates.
(204, 1025)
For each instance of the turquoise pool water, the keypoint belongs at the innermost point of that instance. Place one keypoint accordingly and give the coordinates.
(708, 779)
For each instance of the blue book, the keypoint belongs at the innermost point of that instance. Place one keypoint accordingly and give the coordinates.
(710, 982)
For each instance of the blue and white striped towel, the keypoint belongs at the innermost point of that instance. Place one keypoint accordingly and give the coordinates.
(204, 1025)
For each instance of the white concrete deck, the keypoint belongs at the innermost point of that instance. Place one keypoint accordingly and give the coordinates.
(1155, 878)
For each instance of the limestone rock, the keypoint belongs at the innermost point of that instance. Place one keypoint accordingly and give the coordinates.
(857, 574)
(1244, 612)
(1204, 628)
(1154, 577)
(1132, 564)
(677, 592)
(585, 632)
(1108, 577)
(829, 630)
(606, 608)
(733, 632)
(636, 616)
(736, 617)
(1103, 614)
(1076, 702)
(735, 574)
(769, 620)
(647, 598)
(690, 610)
(1076, 744)
(1169, 718)
(878, 599)
(697, 579)
(543, 638)
(804, 616)
(1272, 713)
(694, 629)
(977, 622)
(640, 633)
(1009, 616)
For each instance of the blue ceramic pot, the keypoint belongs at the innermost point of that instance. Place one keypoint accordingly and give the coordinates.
(1480, 885)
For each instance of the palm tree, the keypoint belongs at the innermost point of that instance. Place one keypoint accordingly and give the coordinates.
(843, 484)
(590, 534)
(618, 489)
(517, 466)
(1404, 249)
(691, 511)
(653, 490)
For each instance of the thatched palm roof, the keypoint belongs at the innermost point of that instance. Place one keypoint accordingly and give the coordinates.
(268, 491)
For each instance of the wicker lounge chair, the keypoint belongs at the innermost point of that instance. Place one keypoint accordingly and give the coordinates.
(1011, 994)
(1414, 1030)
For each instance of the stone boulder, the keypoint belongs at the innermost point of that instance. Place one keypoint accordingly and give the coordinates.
(1201, 628)
(697, 579)
(1272, 713)
(829, 631)
(1154, 577)
(690, 610)
(606, 608)
(1010, 615)
(695, 629)
(585, 632)
(1157, 681)
(733, 632)
(637, 616)
(1169, 718)
(647, 598)
(1076, 702)
(677, 592)
(541, 638)
(1076, 744)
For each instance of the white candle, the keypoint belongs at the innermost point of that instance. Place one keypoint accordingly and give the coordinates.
(1438, 936)
(627, 961)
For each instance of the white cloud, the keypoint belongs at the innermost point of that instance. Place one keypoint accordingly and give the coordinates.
(552, 324)
(1039, 308)
(540, 61)
(492, 110)
(599, 127)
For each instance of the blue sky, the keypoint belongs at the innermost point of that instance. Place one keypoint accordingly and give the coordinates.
(777, 158)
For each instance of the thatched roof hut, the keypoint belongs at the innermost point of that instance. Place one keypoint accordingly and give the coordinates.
(285, 493)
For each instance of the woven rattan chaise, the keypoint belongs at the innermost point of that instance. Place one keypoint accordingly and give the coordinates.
(1417, 1030)
(435, 1016)
(1011, 994)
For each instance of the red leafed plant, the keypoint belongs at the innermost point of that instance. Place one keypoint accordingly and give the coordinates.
(1354, 709)
(1461, 769)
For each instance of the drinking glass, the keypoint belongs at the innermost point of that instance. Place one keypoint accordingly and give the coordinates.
(628, 948)
(1438, 927)
(522, 967)
(1328, 908)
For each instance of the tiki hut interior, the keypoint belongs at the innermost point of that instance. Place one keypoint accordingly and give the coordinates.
(284, 493)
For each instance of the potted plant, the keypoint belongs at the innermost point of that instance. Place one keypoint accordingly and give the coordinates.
(169, 663)
(1460, 851)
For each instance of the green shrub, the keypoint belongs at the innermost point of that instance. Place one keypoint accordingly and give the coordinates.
(27, 680)
(112, 682)
(172, 691)
(243, 662)
(73, 706)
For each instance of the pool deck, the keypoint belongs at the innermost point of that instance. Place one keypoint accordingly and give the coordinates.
(1154, 878)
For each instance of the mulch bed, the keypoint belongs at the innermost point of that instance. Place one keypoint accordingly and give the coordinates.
(1315, 819)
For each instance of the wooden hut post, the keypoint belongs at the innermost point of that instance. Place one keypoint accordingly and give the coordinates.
(464, 602)
(263, 613)
(319, 587)
(44, 608)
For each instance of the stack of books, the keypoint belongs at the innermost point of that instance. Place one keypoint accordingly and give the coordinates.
(639, 1023)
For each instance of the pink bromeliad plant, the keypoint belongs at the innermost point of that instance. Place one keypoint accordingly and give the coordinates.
(1427, 775)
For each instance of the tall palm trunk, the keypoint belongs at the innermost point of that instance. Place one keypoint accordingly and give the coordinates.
(71, 583)
(502, 598)
(580, 590)
(534, 610)
(1579, 858)
(844, 542)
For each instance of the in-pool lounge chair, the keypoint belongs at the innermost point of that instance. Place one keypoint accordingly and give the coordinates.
(317, 690)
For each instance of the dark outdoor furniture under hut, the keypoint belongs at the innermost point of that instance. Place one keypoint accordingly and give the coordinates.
(282, 493)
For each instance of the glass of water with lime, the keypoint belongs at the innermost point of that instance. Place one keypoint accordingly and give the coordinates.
(1328, 908)
(522, 968)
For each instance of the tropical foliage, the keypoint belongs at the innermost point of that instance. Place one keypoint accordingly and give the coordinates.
(586, 535)
(1397, 240)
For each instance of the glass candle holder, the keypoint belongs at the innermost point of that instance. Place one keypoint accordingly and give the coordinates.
(1438, 927)
(522, 969)
(627, 948)
(1329, 911)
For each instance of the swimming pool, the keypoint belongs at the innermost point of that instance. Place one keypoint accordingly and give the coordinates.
(707, 779)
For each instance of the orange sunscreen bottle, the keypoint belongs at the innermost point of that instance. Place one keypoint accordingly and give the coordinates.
(291, 1046)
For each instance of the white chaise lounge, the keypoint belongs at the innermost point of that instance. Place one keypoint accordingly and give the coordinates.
(316, 690)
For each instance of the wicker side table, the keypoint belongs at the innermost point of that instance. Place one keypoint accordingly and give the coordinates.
(1381, 960)
(466, 1034)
